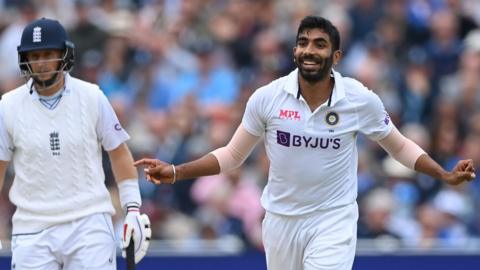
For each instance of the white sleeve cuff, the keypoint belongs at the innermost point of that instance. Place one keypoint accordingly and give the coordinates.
(129, 193)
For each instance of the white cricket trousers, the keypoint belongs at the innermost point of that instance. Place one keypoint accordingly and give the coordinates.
(323, 240)
(86, 243)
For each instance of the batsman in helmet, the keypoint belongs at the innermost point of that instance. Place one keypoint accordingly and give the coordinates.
(53, 129)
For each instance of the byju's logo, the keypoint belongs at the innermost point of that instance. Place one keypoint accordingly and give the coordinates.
(287, 139)
(283, 138)
(290, 115)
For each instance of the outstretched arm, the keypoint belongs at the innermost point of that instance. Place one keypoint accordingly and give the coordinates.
(220, 160)
(412, 156)
(463, 170)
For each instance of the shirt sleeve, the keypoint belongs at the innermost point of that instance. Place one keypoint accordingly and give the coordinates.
(110, 132)
(374, 120)
(6, 143)
(253, 118)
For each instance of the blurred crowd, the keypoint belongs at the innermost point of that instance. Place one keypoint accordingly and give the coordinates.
(178, 74)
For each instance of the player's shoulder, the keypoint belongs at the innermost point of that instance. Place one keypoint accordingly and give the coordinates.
(354, 87)
(16, 94)
(83, 87)
(357, 92)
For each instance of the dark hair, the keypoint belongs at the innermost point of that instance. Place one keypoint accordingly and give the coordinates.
(311, 22)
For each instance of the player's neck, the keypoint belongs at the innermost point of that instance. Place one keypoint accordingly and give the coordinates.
(317, 93)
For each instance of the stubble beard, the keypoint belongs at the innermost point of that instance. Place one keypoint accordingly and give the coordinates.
(318, 75)
(44, 85)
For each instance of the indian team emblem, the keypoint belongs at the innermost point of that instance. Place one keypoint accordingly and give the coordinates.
(332, 118)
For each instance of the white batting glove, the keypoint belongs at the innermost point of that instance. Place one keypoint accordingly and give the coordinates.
(138, 227)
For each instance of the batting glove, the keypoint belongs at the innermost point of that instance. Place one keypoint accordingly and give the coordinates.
(138, 227)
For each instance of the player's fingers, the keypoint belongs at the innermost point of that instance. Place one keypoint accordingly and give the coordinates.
(469, 163)
(153, 169)
(139, 162)
(462, 165)
(156, 181)
(469, 167)
(468, 176)
(153, 180)
(145, 161)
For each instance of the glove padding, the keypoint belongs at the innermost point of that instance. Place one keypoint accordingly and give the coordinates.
(138, 227)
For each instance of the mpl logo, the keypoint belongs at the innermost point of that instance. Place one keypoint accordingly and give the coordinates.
(287, 139)
(289, 114)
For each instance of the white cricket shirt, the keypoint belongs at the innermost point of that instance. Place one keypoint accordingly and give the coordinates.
(56, 154)
(313, 155)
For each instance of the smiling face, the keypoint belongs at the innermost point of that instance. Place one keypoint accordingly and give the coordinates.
(314, 55)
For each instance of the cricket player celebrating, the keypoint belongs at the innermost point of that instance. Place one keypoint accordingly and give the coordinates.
(310, 120)
(53, 128)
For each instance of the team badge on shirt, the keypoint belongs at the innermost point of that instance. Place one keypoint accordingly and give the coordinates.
(332, 118)
(55, 143)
